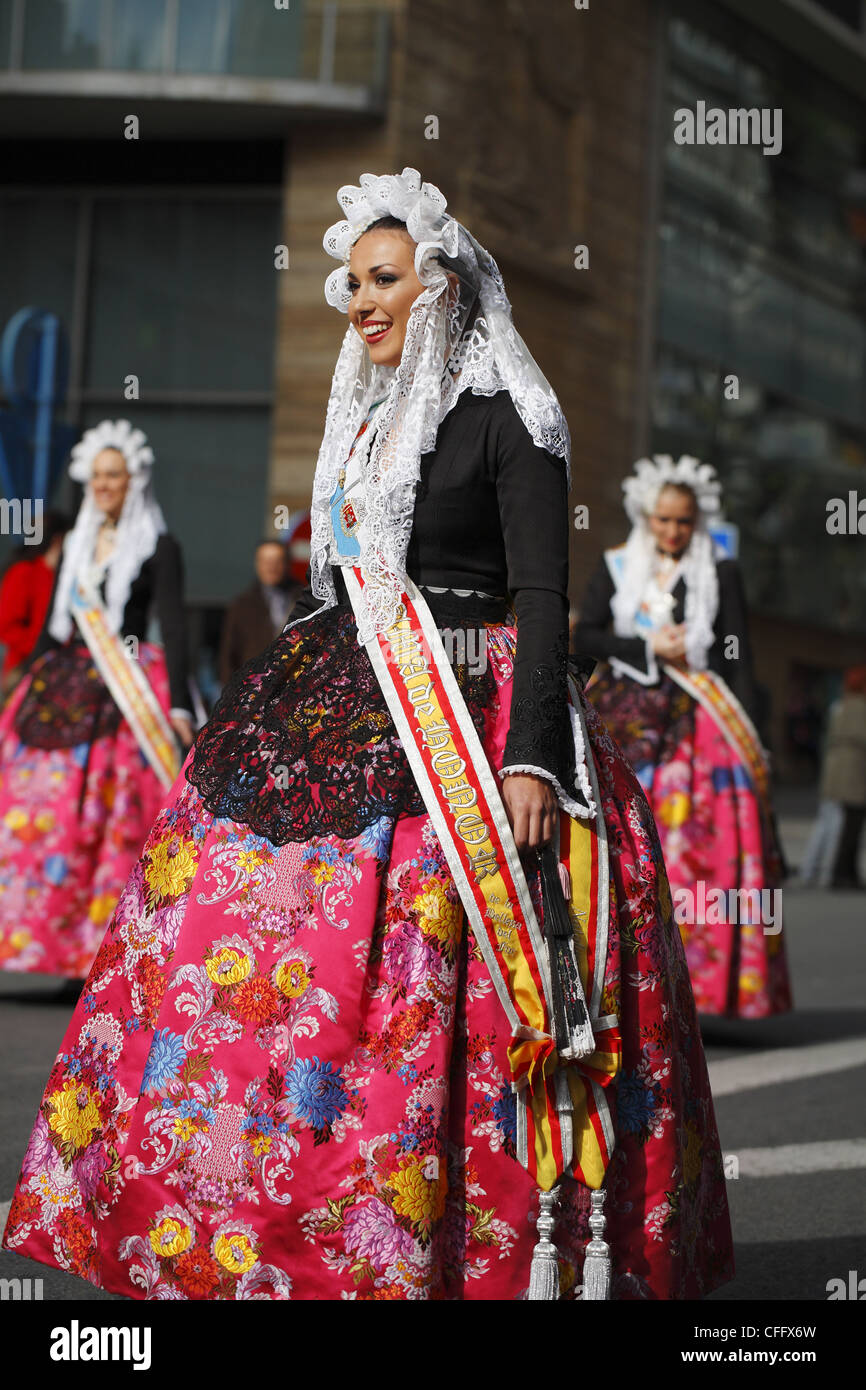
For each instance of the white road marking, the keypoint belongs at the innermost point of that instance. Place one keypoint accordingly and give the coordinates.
(733, 1074)
(784, 1160)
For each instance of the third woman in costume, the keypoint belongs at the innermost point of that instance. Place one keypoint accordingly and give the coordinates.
(88, 742)
(666, 614)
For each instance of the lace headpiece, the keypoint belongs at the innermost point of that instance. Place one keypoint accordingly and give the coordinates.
(140, 525)
(698, 564)
(459, 337)
(651, 475)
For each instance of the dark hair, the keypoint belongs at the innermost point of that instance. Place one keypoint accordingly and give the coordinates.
(387, 224)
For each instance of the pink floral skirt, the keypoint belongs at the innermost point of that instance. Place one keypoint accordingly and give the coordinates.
(73, 819)
(719, 844)
(287, 1077)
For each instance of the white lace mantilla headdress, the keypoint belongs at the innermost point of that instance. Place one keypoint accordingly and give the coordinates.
(698, 565)
(459, 337)
(139, 526)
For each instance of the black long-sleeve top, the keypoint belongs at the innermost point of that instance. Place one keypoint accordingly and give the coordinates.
(594, 636)
(158, 582)
(491, 514)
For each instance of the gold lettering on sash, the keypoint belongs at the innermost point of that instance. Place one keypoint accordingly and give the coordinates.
(434, 735)
(420, 693)
(470, 827)
(448, 763)
(486, 865)
(414, 663)
(413, 666)
(461, 794)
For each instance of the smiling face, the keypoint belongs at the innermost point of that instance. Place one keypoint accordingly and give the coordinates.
(672, 520)
(109, 481)
(384, 287)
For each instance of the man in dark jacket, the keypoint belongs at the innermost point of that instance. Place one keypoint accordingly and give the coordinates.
(259, 614)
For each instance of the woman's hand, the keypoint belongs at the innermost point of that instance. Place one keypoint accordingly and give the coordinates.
(532, 809)
(182, 728)
(670, 642)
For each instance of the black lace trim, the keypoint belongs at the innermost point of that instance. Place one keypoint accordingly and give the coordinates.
(540, 728)
(67, 702)
(301, 743)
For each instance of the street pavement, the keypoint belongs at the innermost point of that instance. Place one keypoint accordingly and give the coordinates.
(789, 1101)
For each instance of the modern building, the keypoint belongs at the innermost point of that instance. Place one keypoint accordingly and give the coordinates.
(551, 127)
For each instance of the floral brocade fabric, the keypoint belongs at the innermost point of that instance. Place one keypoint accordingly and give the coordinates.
(302, 743)
(288, 1077)
(73, 816)
(717, 836)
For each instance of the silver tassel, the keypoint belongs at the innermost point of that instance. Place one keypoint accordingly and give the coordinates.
(596, 1265)
(544, 1271)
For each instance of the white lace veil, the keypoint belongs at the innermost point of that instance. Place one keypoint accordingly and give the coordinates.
(459, 337)
(139, 526)
(698, 565)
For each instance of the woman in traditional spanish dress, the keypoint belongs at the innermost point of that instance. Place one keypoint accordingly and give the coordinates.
(88, 740)
(666, 614)
(394, 992)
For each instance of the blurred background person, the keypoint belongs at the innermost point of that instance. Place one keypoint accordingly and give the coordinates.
(25, 592)
(87, 742)
(668, 616)
(260, 613)
(843, 776)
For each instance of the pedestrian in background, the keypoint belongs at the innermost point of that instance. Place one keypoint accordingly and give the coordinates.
(260, 613)
(25, 593)
(843, 777)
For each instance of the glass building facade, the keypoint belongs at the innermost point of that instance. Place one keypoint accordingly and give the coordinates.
(761, 276)
(174, 286)
(312, 40)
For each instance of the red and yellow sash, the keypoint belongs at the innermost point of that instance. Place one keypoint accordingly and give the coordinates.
(563, 1121)
(712, 692)
(127, 683)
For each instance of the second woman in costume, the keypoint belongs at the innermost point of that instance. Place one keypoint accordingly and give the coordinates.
(666, 614)
(88, 742)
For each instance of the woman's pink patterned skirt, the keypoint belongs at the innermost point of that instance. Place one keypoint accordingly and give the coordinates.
(73, 817)
(719, 844)
(287, 1077)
